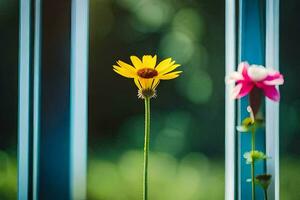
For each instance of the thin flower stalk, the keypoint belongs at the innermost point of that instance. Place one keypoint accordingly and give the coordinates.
(147, 74)
(253, 163)
(146, 148)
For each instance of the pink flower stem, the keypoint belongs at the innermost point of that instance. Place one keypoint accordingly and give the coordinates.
(252, 164)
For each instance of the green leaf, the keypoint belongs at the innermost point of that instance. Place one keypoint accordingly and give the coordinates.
(253, 156)
(242, 129)
(248, 124)
(245, 126)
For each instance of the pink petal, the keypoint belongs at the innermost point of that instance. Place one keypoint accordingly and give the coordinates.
(257, 73)
(271, 92)
(245, 71)
(242, 66)
(233, 77)
(245, 89)
(275, 79)
(236, 90)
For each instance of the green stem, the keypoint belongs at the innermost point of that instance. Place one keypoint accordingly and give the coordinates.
(266, 194)
(253, 183)
(146, 147)
(253, 139)
(252, 165)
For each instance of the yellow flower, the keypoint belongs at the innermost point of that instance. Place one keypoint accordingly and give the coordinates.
(146, 73)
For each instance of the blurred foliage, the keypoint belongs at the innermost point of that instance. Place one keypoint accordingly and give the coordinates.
(193, 177)
(168, 28)
(8, 176)
(289, 178)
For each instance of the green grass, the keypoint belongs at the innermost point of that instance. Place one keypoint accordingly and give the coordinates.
(193, 177)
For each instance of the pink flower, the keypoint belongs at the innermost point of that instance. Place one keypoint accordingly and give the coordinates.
(248, 77)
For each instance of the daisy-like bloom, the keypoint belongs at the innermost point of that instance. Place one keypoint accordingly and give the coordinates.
(146, 73)
(255, 76)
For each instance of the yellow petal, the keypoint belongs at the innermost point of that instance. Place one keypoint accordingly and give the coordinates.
(149, 82)
(137, 63)
(137, 83)
(146, 83)
(164, 64)
(126, 66)
(142, 81)
(149, 61)
(155, 83)
(169, 69)
(169, 76)
(124, 72)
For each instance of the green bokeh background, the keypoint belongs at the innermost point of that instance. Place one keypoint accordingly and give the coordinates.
(187, 130)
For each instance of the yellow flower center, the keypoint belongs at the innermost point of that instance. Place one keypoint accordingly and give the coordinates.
(147, 73)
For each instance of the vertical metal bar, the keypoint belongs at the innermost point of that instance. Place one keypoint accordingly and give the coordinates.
(272, 108)
(229, 102)
(24, 100)
(79, 93)
(36, 96)
(28, 98)
(252, 49)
